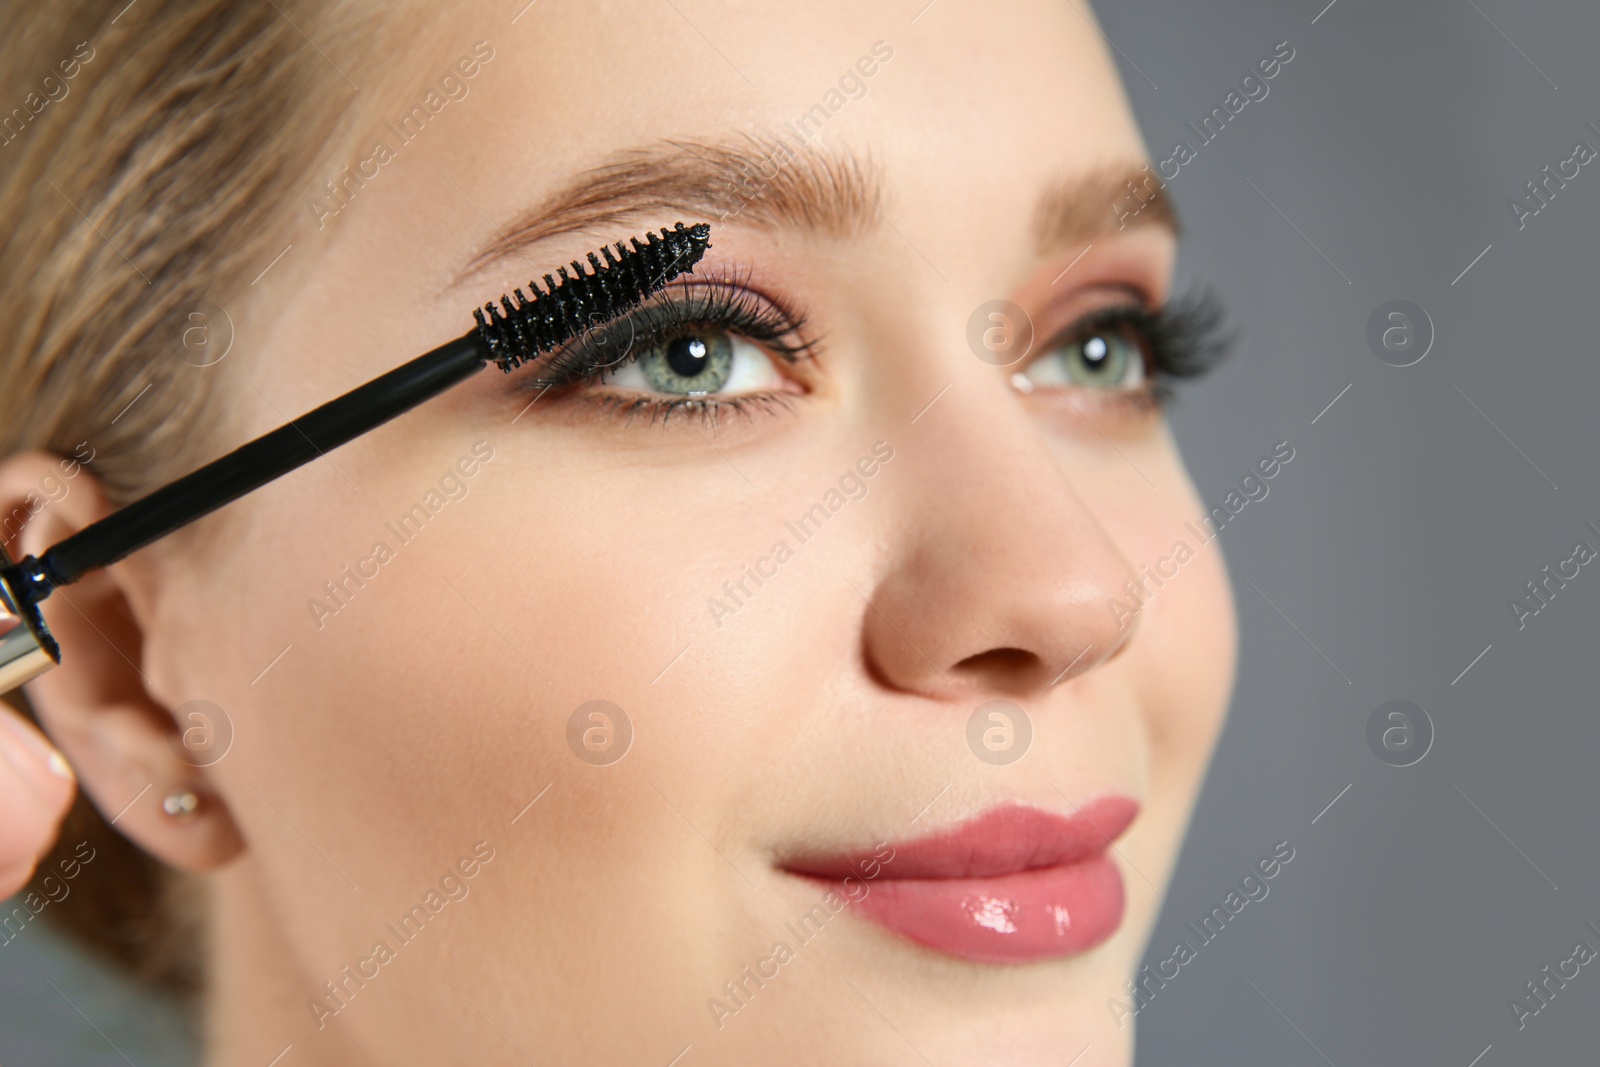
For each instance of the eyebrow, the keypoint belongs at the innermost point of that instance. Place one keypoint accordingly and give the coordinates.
(769, 182)
(1080, 207)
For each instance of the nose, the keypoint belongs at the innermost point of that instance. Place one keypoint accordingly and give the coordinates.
(1001, 580)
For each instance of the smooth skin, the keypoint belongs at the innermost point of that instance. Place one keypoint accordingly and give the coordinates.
(828, 712)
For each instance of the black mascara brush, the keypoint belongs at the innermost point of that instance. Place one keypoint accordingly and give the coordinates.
(508, 335)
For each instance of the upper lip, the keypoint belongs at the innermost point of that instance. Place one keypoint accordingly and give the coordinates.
(1005, 839)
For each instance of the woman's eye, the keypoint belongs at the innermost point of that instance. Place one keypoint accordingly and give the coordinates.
(698, 362)
(1107, 358)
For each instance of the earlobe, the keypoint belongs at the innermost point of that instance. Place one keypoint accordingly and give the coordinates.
(98, 706)
(129, 760)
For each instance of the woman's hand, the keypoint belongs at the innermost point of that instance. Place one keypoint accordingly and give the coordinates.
(36, 787)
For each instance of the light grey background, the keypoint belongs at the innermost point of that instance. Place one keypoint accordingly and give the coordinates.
(1415, 507)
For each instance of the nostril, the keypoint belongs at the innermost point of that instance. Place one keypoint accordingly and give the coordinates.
(1001, 665)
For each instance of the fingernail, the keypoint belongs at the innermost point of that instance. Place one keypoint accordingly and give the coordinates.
(31, 744)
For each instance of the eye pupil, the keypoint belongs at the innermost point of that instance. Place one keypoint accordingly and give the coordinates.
(687, 355)
(1095, 351)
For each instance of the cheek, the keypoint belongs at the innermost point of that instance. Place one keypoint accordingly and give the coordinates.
(1188, 640)
(1199, 638)
(1181, 660)
(449, 668)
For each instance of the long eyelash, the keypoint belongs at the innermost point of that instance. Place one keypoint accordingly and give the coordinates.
(1183, 339)
(722, 301)
(1190, 336)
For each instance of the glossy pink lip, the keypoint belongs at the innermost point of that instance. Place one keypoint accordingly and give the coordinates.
(1013, 885)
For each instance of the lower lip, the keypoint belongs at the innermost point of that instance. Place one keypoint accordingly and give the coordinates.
(1014, 918)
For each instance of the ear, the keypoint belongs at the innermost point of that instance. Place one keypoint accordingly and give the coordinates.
(97, 706)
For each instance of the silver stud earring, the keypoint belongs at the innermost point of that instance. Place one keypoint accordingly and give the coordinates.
(179, 805)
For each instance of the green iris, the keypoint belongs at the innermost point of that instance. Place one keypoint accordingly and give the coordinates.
(1108, 359)
(690, 364)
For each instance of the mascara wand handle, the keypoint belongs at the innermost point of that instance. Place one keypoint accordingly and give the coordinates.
(253, 465)
(28, 648)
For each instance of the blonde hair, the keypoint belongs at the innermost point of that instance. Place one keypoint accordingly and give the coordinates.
(146, 151)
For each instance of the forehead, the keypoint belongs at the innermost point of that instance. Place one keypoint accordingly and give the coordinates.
(955, 130)
(962, 95)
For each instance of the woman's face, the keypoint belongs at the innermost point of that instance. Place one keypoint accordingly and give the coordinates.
(799, 601)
